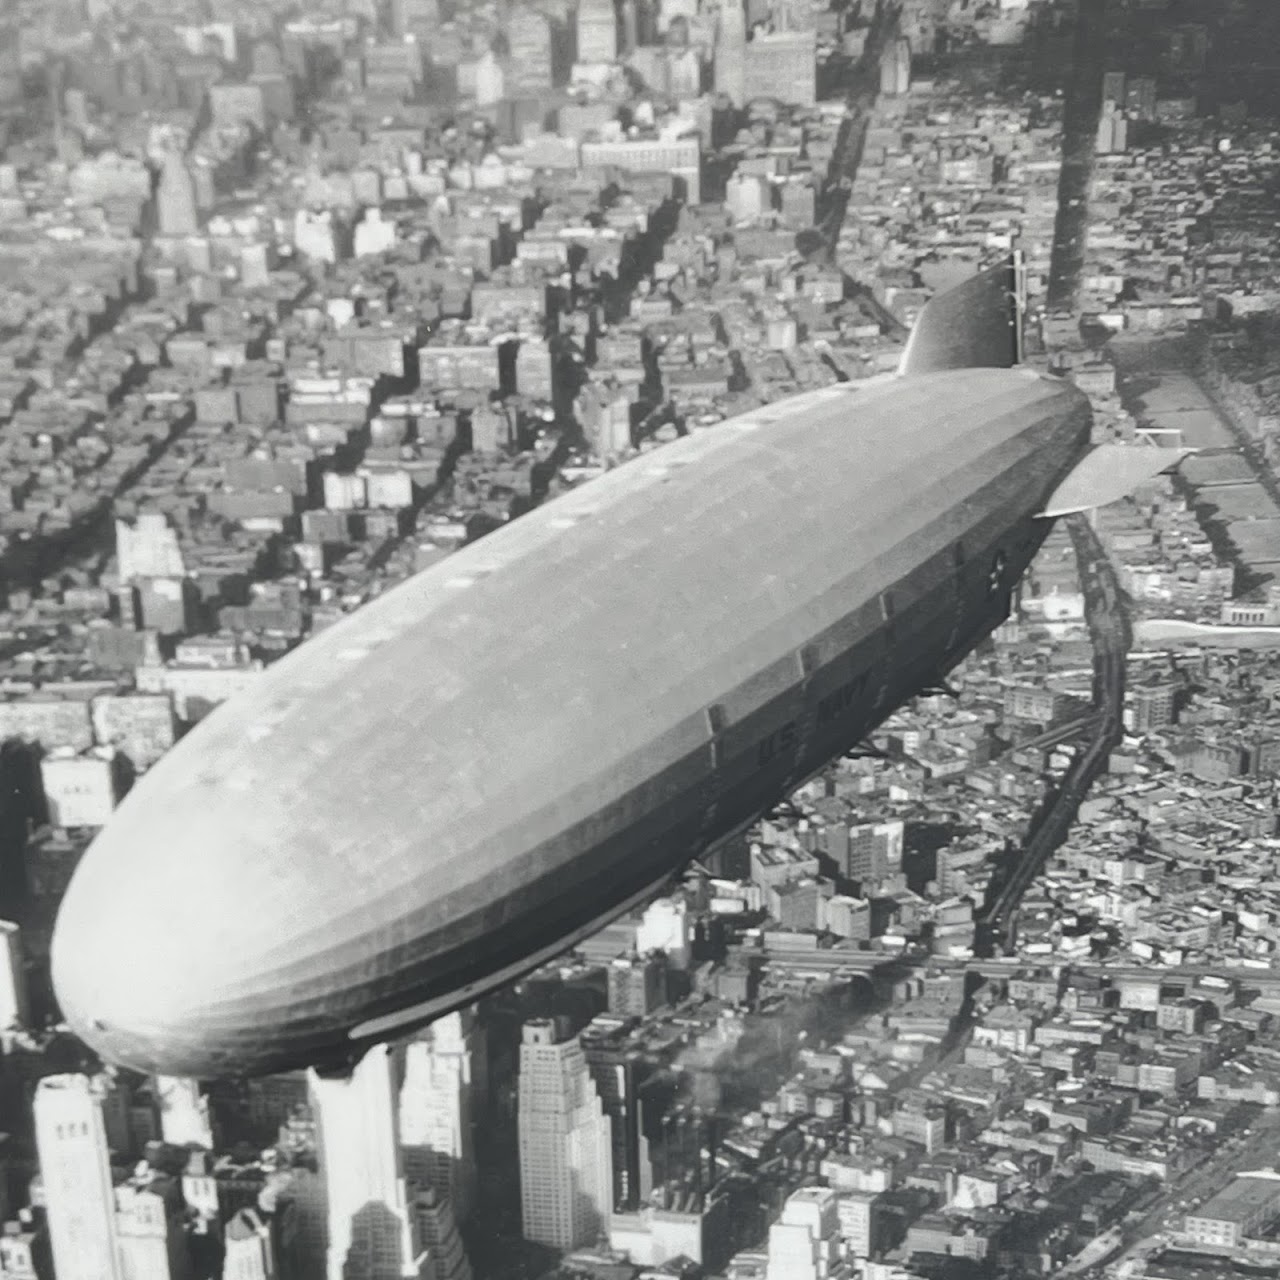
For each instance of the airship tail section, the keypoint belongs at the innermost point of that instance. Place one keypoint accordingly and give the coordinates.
(1106, 474)
(976, 325)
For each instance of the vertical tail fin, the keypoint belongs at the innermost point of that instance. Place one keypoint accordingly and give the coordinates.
(976, 325)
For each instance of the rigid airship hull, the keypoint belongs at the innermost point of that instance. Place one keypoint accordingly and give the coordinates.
(470, 773)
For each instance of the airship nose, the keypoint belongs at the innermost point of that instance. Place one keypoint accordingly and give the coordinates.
(157, 932)
(120, 976)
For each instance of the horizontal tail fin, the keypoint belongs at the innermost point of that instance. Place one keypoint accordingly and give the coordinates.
(976, 325)
(1107, 473)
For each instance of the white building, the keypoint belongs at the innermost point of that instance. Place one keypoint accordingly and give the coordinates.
(436, 1124)
(76, 1173)
(857, 1216)
(371, 1231)
(566, 1169)
(313, 236)
(344, 492)
(81, 790)
(184, 1112)
(490, 81)
(249, 1255)
(14, 1006)
(373, 235)
(680, 156)
(666, 927)
(148, 548)
(747, 196)
(152, 1245)
(804, 1244)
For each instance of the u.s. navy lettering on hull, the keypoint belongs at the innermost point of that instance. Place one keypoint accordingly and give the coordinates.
(842, 701)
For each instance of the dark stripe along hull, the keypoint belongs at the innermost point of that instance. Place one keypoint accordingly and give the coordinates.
(730, 726)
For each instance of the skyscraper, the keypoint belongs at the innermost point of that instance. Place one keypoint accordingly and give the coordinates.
(597, 31)
(618, 1072)
(75, 1168)
(438, 1231)
(149, 1232)
(1154, 706)
(14, 1005)
(874, 850)
(184, 1112)
(371, 1232)
(895, 67)
(176, 198)
(436, 1125)
(731, 52)
(566, 1175)
(637, 985)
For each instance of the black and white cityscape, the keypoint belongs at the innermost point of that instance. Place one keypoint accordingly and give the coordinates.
(639, 639)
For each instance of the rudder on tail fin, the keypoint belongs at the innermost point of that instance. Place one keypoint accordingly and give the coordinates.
(976, 325)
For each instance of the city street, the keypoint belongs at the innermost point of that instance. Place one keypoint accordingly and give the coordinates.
(1109, 631)
(1254, 1150)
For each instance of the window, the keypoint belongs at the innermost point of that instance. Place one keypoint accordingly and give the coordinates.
(995, 580)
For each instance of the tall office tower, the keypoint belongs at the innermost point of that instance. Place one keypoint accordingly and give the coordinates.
(299, 1226)
(15, 1009)
(875, 850)
(371, 1232)
(731, 52)
(176, 198)
(895, 67)
(1154, 706)
(566, 1175)
(637, 985)
(902, 54)
(79, 1198)
(804, 1244)
(149, 1232)
(597, 31)
(529, 42)
(438, 1231)
(857, 1212)
(184, 1112)
(618, 1072)
(436, 1116)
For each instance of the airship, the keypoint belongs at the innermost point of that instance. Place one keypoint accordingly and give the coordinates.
(473, 772)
